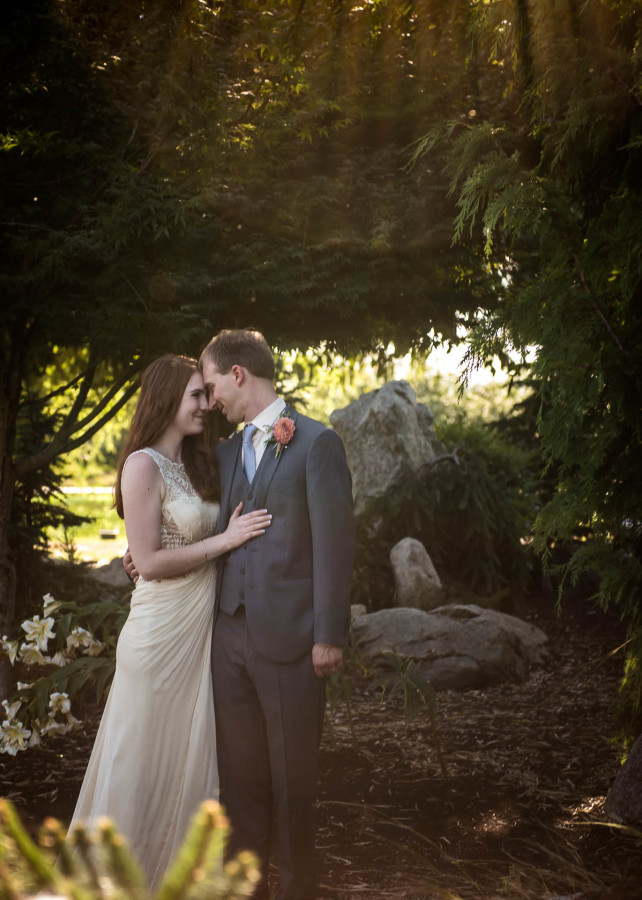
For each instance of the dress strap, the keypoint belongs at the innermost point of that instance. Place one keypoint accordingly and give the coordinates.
(161, 461)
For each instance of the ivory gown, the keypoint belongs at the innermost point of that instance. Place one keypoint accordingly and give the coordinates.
(154, 759)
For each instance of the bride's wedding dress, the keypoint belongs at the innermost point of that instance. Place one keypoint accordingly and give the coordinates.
(154, 760)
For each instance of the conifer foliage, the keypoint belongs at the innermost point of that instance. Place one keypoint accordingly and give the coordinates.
(548, 184)
(171, 168)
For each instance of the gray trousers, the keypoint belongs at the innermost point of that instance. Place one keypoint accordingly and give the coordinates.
(269, 717)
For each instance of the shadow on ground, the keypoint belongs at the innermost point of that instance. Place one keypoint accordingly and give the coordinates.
(519, 817)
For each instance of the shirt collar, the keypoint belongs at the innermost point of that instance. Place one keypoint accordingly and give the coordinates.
(267, 417)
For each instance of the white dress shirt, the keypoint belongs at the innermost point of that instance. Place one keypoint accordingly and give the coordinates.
(264, 422)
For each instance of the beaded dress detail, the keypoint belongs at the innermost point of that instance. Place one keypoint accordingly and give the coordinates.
(185, 517)
(154, 759)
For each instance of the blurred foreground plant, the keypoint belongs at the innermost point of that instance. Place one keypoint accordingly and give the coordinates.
(98, 865)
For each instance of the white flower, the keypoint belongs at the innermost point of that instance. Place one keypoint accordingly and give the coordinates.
(11, 709)
(13, 737)
(53, 727)
(58, 659)
(10, 648)
(49, 604)
(59, 702)
(79, 637)
(39, 630)
(72, 722)
(23, 685)
(31, 655)
(34, 740)
(95, 648)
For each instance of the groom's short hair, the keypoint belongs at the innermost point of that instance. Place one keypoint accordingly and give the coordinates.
(240, 347)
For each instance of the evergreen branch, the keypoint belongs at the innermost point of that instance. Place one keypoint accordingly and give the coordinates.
(138, 294)
(85, 386)
(452, 457)
(29, 225)
(595, 305)
(158, 142)
(63, 444)
(133, 131)
(40, 401)
(54, 448)
(86, 435)
(245, 115)
(105, 401)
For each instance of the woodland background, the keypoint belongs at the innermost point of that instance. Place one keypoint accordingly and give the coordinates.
(360, 181)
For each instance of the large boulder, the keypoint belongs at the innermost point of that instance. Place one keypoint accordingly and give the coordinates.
(624, 800)
(112, 573)
(417, 583)
(387, 435)
(459, 646)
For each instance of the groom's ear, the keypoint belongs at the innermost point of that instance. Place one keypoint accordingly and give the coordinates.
(239, 374)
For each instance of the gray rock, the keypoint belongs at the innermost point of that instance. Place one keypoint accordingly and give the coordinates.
(387, 435)
(624, 801)
(417, 583)
(113, 573)
(458, 646)
(356, 611)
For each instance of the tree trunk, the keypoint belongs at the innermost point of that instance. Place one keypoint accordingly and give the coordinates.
(7, 588)
(12, 363)
(624, 800)
(7, 567)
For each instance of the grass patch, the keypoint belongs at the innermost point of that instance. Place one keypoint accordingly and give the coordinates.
(84, 541)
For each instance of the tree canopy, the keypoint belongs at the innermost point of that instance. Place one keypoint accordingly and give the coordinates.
(549, 189)
(171, 167)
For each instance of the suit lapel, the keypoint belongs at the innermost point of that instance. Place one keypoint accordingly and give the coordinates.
(232, 451)
(268, 465)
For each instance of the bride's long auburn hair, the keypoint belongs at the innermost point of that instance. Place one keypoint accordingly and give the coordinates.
(161, 391)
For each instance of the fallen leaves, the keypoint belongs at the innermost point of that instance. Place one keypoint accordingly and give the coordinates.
(529, 767)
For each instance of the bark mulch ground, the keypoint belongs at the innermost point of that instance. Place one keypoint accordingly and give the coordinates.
(519, 816)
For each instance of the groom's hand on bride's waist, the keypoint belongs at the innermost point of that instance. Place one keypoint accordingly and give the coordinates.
(327, 659)
(129, 567)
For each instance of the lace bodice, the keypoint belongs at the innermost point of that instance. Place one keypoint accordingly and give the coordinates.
(185, 516)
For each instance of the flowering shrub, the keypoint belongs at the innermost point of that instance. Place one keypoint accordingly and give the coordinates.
(74, 656)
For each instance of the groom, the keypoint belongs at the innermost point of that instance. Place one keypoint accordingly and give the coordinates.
(283, 608)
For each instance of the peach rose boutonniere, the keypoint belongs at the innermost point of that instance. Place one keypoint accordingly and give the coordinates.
(282, 433)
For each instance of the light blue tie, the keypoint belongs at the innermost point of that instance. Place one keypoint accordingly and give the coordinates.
(249, 457)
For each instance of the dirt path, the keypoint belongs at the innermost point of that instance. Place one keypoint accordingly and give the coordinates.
(520, 816)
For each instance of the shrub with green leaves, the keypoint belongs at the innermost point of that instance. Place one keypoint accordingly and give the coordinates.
(470, 508)
(395, 674)
(71, 646)
(557, 229)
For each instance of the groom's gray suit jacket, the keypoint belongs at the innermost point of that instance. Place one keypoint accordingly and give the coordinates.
(294, 581)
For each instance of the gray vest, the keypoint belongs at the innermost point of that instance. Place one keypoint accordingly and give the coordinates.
(232, 593)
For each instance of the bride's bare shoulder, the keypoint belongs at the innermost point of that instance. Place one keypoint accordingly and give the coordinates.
(141, 465)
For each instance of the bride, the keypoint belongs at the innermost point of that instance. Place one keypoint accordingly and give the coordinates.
(154, 759)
